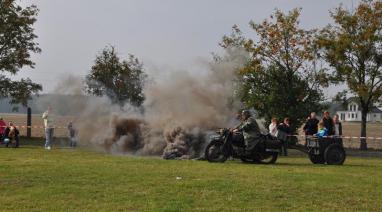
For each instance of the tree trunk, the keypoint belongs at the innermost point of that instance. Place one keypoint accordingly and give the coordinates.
(363, 145)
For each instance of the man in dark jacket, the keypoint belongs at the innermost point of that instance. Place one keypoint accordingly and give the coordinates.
(328, 123)
(311, 125)
(285, 127)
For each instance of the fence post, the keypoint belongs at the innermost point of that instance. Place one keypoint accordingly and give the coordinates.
(29, 122)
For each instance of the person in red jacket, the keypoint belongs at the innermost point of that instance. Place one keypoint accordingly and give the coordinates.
(3, 125)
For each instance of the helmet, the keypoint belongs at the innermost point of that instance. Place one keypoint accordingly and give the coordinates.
(246, 113)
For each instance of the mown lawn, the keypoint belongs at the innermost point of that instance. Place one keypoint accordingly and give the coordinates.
(34, 179)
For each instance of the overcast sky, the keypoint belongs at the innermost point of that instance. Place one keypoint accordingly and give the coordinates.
(166, 34)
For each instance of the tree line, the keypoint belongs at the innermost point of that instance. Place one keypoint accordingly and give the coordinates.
(287, 69)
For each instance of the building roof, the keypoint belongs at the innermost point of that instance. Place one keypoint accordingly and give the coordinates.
(375, 110)
(353, 99)
(343, 107)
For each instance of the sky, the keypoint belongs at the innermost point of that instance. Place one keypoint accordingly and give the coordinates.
(164, 34)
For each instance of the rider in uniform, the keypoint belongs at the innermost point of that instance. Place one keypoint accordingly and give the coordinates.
(250, 129)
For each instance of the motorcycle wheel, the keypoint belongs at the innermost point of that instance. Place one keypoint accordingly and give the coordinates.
(250, 160)
(214, 153)
(269, 158)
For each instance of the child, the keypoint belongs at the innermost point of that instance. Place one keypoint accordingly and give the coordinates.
(322, 131)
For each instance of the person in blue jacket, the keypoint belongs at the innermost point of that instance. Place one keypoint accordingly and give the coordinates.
(322, 130)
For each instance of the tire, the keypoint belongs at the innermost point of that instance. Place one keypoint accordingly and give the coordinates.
(214, 153)
(317, 159)
(249, 160)
(269, 158)
(335, 154)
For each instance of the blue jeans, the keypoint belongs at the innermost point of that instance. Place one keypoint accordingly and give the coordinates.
(73, 141)
(48, 136)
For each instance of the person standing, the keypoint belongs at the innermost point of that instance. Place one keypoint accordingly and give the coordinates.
(337, 129)
(49, 127)
(311, 125)
(3, 126)
(273, 127)
(328, 123)
(337, 126)
(285, 127)
(72, 135)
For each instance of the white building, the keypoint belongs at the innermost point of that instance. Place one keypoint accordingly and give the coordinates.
(353, 112)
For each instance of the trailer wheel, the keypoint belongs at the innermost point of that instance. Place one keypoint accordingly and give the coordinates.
(317, 159)
(335, 154)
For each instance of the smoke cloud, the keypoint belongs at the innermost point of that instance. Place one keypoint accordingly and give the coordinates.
(179, 112)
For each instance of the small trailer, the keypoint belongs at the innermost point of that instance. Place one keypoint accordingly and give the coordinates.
(327, 150)
(320, 150)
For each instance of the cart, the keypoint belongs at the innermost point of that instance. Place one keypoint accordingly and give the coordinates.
(320, 150)
(327, 150)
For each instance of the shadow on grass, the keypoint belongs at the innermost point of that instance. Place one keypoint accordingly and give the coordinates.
(308, 164)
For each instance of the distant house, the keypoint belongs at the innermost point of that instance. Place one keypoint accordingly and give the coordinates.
(352, 112)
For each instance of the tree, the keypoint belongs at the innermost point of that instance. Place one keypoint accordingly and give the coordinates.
(121, 81)
(353, 47)
(17, 42)
(281, 79)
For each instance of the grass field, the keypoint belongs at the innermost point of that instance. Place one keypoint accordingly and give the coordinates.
(34, 179)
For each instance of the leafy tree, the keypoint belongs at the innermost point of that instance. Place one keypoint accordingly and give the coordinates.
(353, 47)
(281, 79)
(121, 81)
(16, 45)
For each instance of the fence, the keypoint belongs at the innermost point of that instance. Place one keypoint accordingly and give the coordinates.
(374, 139)
(353, 142)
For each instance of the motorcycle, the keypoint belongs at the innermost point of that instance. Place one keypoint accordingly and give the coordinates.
(231, 144)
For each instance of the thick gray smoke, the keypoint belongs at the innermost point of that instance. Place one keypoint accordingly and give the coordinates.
(179, 112)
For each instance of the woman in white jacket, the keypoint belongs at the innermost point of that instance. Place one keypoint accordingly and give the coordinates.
(273, 127)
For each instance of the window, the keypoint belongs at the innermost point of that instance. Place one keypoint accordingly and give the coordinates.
(352, 115)
(352, 107)
(348, 115)
(356, 115)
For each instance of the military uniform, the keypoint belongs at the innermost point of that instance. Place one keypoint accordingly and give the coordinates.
(251, 132)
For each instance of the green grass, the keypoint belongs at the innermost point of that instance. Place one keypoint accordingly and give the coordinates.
(34, 179)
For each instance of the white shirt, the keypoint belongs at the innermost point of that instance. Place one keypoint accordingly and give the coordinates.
(48, 120)
(273, 129)
(336, 129)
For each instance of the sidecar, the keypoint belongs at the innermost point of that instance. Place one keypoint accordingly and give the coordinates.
(327, 150)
